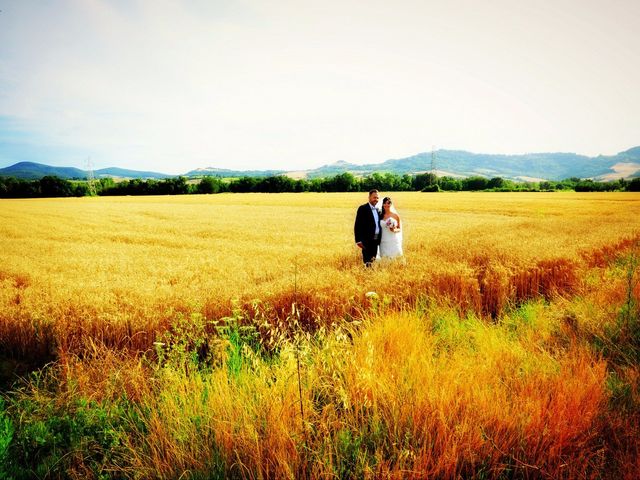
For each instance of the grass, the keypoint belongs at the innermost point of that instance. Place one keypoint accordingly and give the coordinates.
(121, 269)
(406, 394)
(231, 336)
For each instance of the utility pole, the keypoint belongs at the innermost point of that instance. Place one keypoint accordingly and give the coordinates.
(433, 165)
(91, 180)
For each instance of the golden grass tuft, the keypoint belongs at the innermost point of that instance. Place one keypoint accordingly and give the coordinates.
(396, 397)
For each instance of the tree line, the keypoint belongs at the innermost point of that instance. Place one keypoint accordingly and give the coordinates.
(51, 186)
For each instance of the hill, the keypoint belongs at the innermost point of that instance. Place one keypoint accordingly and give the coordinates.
(227, 173)
(547, 166)
(125, 173)
(34, 171)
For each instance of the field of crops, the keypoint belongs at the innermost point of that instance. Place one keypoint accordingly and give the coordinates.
(238, 335)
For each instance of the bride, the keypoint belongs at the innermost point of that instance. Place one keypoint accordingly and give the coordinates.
(391, 239)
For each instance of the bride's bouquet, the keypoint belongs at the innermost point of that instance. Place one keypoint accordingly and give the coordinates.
(392, 224)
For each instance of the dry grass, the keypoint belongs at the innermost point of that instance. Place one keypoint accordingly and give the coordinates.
(475, 359)
(401, 396)
(119, 270)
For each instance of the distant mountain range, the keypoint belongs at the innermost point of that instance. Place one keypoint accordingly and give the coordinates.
(531, 166)
(34, 171)
(226, 173)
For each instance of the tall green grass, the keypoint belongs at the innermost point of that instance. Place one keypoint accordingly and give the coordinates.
(424, 393)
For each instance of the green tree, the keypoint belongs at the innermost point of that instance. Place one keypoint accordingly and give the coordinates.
(104, 184)
(393, 182)
(52, 186)
(11, 187)
(450, 184)
(170, 186)
(587, 186)
(211, 185)
(275, 184)
(315, 185)
(474, 183)
(343, 182)
(634, 185)
(243, 185)
(406, 183)
(424, 179)
(383, 181)
(622, 184)
(80, 189)
(496, 183)
(302, 185)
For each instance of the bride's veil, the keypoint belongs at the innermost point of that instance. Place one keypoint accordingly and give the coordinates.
(393, 207)
(393, 210)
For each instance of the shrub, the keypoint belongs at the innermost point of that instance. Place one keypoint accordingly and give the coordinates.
(431, 188)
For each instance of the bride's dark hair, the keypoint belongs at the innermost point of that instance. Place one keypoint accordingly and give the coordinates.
(384, 200)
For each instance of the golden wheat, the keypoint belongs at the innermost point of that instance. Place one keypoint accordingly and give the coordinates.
(119, 270)
(473, 359)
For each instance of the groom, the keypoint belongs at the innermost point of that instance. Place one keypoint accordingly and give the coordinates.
(367, 228)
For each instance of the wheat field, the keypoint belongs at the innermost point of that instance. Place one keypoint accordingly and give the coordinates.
(121, 269)
(238, 335)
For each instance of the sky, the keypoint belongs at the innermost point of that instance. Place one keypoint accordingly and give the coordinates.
(170, 86)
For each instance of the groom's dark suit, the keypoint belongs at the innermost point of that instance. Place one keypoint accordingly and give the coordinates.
(364, 231)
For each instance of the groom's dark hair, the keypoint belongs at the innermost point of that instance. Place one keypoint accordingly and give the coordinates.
(375, 190)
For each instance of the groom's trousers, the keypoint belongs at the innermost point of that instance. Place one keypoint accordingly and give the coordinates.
(370, 251)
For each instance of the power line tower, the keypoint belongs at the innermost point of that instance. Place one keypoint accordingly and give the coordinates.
(91, 180)
(433, 164)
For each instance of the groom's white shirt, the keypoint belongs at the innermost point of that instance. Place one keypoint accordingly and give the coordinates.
(376, 217)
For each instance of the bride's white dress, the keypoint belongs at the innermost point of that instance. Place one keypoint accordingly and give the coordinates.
(390, 242)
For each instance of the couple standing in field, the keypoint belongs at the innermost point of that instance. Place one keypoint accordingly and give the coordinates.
(377, 229)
